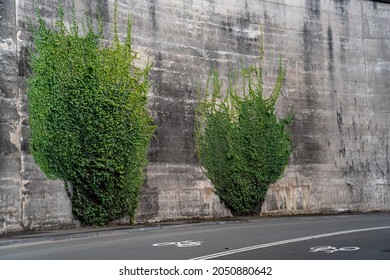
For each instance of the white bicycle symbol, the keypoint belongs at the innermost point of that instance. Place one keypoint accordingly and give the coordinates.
(331, 249)
(180, 244)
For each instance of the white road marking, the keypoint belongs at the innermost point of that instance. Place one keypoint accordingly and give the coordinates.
(180, 244)
(331, 249)
(266, 245)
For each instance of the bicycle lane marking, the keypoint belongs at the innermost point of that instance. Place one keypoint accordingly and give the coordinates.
(180, 244)
(331, 249)
(287, 241)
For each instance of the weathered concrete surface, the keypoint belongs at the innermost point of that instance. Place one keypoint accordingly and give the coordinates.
(337, 59)
(28, 200)
(9, 156)
(177, 191)
(340, 89)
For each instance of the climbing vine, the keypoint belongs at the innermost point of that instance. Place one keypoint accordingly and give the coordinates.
(88, 117)
(242, 145)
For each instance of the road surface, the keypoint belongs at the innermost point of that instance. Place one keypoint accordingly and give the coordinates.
(341, 237)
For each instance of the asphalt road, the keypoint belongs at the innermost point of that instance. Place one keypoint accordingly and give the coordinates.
(343, 237)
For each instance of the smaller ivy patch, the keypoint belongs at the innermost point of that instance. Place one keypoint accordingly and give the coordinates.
(242, 145)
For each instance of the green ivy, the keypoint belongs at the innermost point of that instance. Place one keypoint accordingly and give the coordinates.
(242, 145)
(88, 117)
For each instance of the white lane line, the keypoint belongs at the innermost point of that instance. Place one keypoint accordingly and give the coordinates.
(255, 247)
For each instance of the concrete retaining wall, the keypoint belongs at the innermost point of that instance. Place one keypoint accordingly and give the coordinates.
(337, 58)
